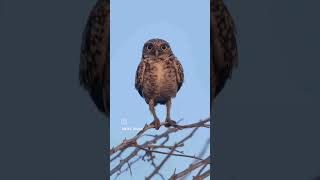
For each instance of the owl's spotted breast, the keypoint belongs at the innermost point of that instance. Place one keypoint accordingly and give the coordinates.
(160, 81)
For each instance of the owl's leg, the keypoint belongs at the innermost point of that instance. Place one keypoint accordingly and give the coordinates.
(156, 121)
(169, 121)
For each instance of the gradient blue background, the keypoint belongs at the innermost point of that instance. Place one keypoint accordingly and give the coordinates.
(185, 25)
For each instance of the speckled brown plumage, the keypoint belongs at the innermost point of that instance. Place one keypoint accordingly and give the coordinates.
(159, 76)
(94, 57)
(224, 51)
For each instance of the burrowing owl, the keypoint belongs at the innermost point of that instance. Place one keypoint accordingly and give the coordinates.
(159, 77)
(94, 58)
(224, 51)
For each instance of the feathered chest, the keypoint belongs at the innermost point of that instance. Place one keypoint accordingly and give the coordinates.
(160, 78)
(161, 73)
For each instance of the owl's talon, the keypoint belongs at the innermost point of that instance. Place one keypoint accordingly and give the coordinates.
(156, 124)
(169, 123)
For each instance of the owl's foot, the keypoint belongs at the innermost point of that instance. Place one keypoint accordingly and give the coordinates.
(170, 122)
(156, 124)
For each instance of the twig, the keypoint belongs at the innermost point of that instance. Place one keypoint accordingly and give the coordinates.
(136, 150)
(117, 156)
(129, 167)
(160, 152)
(163, 146)
(202, 176)
(200, 171)
(171, 152)
(201, 154)
(190, 169)
(156, 171)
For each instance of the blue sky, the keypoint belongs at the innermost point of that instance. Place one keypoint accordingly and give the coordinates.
(185, 25)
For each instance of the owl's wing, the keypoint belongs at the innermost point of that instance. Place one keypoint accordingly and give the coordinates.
(179, 73)
(140, 77)
(223, 45)
(227, 35)
(94, 57)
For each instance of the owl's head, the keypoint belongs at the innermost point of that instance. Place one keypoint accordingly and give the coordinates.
(156, 48)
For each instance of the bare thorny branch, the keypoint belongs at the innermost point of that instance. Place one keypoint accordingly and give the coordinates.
(151, 149)
(191, 168)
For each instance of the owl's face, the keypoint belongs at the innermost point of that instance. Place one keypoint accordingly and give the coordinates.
(156, 49)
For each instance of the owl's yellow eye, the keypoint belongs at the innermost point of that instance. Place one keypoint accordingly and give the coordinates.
(163, 47)
(149, 46)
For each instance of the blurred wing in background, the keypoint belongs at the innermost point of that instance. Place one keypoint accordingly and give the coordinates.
(94, 58)
(224, 51)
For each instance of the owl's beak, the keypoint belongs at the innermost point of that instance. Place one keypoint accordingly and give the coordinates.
(157, 53)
